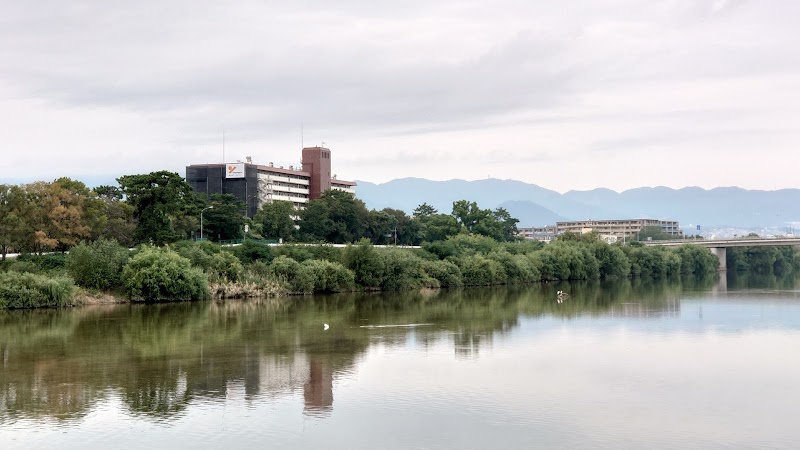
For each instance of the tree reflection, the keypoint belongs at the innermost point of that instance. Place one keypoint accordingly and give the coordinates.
(159, 359)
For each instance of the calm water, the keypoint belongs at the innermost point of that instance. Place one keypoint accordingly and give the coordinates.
(699, 364)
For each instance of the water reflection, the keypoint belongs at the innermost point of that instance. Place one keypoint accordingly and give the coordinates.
(160, 359)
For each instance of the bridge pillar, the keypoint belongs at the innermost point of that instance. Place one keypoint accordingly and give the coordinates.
(722, 254)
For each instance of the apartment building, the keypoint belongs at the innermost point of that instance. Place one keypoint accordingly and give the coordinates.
(608, 230)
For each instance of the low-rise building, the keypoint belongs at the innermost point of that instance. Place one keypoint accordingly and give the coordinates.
(608, 230)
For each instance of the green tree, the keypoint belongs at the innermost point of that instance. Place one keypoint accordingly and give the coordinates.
(277, 220)
(161, 201)
(119, 224)
(406, 228)
(225, 220)
(468, 214)
(437, 227)
(336, 217)
(14, 215)
(379, 228)
(424, 210)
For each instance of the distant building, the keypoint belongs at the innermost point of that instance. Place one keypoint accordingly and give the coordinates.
(257, 185)
(543, 234)
(609, 230)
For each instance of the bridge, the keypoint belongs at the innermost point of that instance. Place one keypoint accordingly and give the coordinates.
(719, 247)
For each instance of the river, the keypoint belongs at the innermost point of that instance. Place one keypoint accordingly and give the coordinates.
(692, 363)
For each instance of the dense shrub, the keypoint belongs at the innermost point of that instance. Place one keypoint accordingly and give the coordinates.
(298, 253)
(518, 268)
(45, 263)
(219, 264)
(655, 262)
(28, 290)
(251, 251)
(366, 263)
(97, 265)
(612, 260)
(445, 272)
(156, 274)
(696, 260)
(289, 271)
(572, 261)
(401, 270)
(477, 270)
(328, 276)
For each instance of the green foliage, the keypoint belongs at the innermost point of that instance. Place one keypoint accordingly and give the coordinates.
(518, 268)
(218, 264)
(402, 270)
(445, 272)
(97, 265)
(225, 221)
(659, 262)
(161, 203)
(477, 270)
(613, 262)
(328, 276)
(289, 271)
(157, 274)
(336, 217)
(367, 265)
(251, 251)
(696, 260)
(437, 227)
(45, 263)
(574, 261)
(28, 290)
(298, 253)
(277, 220)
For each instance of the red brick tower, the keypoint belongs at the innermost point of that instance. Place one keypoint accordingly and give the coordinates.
(317, 162)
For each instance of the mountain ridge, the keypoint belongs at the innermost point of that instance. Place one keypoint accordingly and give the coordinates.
(534, 205)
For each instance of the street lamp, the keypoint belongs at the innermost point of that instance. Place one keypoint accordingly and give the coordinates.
(201, 220)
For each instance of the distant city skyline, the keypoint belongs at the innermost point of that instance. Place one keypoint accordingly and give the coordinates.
(569, 96)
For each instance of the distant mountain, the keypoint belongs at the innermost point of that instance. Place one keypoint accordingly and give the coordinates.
(531, 214)
(536, 206)
(408, 193)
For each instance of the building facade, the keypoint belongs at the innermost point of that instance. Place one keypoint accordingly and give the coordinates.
(257, 185)
(608, 230)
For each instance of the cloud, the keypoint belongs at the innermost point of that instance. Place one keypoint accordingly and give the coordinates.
(513, 78)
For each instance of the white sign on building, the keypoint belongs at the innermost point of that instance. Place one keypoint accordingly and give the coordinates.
(234, 170)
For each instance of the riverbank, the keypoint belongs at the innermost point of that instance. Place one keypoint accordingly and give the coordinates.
(103, 272)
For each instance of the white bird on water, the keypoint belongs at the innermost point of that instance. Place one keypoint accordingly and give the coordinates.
(325, 327)
(561, 296)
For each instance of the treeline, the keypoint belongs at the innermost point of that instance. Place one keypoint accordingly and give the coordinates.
(199, 270)
(764, 260)
(161, 208)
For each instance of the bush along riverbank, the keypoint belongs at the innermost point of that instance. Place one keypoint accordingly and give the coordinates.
(197, 271)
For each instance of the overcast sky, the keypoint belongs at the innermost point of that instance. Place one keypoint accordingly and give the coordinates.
(567, 95)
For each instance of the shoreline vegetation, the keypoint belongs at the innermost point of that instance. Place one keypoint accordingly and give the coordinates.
(104, 272)
(136, 242)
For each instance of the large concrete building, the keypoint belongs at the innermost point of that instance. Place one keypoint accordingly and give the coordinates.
(609, 230)
(257, 185)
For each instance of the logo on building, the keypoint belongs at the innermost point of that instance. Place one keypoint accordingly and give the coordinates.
(235, 170)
